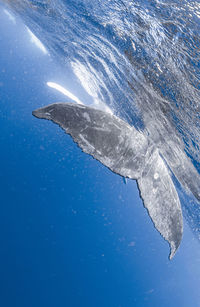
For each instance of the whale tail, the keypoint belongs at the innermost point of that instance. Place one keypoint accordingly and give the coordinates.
(126, 152)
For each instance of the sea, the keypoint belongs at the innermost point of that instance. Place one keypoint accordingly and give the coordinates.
(139, 60)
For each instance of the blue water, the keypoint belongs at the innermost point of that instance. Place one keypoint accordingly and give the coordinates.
(72, 233)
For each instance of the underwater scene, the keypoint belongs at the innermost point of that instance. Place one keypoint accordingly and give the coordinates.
(101, 200)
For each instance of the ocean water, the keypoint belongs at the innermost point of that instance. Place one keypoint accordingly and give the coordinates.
(139, 59)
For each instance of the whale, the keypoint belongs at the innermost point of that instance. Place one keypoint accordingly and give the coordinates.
(127, 152)
(136, 81)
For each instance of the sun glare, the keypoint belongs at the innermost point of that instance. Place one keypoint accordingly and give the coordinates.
(10, 16)
(63, 91)
(37, 42)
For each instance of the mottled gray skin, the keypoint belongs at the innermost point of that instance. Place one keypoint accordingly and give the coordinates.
(171, 147)
(128, 153)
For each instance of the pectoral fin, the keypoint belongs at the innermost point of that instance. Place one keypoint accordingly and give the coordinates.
(104, 136)
(161, 200)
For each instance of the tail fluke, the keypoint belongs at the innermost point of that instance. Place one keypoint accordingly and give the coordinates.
(161, 200)
(126, 152)
(106, 137)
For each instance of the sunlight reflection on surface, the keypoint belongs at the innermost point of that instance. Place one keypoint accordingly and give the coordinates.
(10, 16)
(37, 42)
(63, 91)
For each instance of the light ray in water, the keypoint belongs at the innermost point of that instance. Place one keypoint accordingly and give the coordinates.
(90, 85)
(10, 16)
(37, 42)
(65, 92)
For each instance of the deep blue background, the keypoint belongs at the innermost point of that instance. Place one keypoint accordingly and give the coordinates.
(71, 233)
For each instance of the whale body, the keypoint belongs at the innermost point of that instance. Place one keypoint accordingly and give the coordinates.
(129, 153)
